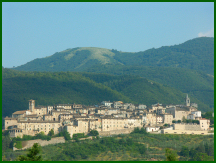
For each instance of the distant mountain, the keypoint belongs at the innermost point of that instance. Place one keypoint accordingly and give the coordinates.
(50, 88)
(77, 59)
(187, 67)
(197, 54)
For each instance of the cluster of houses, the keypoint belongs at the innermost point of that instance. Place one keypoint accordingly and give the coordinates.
(107, 116)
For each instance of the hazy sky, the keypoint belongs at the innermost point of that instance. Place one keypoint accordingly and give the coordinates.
(36, 30)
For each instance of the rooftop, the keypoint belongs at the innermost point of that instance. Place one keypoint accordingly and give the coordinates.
(20, 112)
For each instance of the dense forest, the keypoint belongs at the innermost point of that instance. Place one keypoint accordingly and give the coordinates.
(136, 146)
(51, 88)
(184, 68)
(195, 83)
(196, 54)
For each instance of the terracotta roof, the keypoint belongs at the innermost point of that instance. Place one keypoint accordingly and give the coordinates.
(61, 111)
(64, 104)
(10, 118)
(78, 116)
(38, 121)
(20, 112)
(32, 115)
(204, 119)
(47, 115)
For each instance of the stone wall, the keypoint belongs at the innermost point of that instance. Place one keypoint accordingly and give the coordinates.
(30, 143)
(116, 132)
(187, 126)
(195, 127)
(184, 132)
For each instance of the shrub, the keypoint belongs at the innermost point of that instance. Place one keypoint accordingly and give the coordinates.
(18, 144)
(51, 132)
(94, 133)
(27, 137)
(78, 135)
(66, 135)
(184, 151)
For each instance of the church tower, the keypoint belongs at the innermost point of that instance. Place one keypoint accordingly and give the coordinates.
(31, 105)
(187, 100)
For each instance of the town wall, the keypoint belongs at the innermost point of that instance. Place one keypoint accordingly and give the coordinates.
(193, 127)
(30, 143)
(184, 132)
(116, 132)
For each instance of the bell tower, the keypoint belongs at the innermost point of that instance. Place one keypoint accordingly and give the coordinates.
(31, 105)
(187, 100)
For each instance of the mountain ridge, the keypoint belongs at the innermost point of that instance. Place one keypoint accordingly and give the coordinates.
(197, 54)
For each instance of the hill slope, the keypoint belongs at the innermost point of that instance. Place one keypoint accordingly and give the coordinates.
(197, 54)
(76, 59)
(146, 91)
(68, 87)
(51, 89)
(195, 83)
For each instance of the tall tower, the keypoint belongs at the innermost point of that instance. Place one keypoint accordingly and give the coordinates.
(31, 105)
(187, 100)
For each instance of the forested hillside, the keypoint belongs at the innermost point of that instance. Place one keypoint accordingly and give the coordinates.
(173, 70)
(197, 54)
(50, 88)
(195, 83)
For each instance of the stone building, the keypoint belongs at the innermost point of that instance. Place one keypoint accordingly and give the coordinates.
(179, 112)
(167, 118)
(204, 124)
(187, 100)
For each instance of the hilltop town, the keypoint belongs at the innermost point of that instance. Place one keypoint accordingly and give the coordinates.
(107, 118)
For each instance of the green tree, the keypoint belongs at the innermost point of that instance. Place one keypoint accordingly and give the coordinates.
(32, 155)
(184, 119)
(94, 133)
(66, 135)
(51, 132)
(18, 144)
(6, 141)
(202, 157)
(184, 151)
(170, 155)
(143, 131)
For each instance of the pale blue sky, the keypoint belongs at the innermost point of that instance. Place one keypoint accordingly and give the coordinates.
(36, 30)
